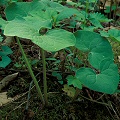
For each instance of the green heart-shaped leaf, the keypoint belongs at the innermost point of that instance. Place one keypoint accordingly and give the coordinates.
(66, 13)
(97, 46)
(105, 81)
(104, 76)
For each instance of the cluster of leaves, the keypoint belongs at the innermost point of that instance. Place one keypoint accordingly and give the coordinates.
(41, 22)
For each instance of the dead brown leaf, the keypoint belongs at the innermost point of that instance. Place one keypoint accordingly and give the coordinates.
(4, 99)
(4, 82)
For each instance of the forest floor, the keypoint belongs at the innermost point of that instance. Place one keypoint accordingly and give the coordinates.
(85, 107)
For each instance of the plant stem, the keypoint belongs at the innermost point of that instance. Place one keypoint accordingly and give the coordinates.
(87, 5)
(30, 71)
(86, 13)
(44, 77)
(29, 92)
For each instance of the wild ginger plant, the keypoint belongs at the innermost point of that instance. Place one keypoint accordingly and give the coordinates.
(41, 22)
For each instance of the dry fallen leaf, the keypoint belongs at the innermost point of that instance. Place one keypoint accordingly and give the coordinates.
(4, 82)
(4, 99)
(8, 41)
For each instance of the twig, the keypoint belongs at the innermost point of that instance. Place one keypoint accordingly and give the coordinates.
(95, 101)
(100, 97)
(108, 109)
(90, 100)
(114, 111)
(4, 82)
(28, 98)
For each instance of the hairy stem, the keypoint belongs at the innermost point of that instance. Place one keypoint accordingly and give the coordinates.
(44, 77)
(30, 71)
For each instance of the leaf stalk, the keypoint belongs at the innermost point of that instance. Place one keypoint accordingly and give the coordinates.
(44, 77)
(30, 71)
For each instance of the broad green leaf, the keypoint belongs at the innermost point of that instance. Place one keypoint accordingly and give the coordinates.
(100, 52)
(21, 9)
(38, 24)
(15, 10)
(26, 28)
(106, 80)
(42, 15)
(21, 29)
(97, 47)
(66, 13)
(55, 40)
(74, 81)
(5, 61)
(86, 40)
(56, 6)
(82, 41)
(104, 76)
(29, 26)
